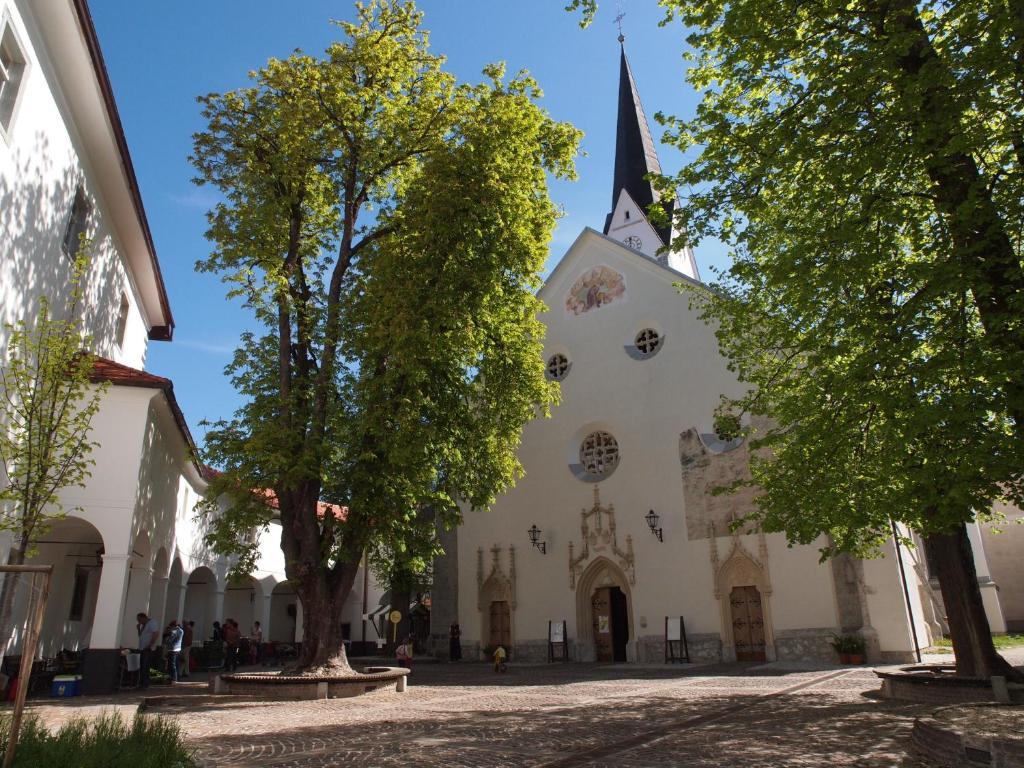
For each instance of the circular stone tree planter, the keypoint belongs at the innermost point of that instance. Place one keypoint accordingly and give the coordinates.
(275, 685)
(972, 735)
(938, 684)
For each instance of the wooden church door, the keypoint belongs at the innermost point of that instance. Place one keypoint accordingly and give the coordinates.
(501, 625)
(601, 609)
(747, 624)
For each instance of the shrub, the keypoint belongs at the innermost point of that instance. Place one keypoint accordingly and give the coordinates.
(853, 644)
(106, 742)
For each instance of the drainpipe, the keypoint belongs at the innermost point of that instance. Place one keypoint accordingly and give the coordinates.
(906, 590)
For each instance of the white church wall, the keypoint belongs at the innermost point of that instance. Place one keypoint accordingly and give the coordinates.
(645, 404)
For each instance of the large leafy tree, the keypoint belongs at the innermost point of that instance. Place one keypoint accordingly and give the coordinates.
(387, 227)
(864, 159)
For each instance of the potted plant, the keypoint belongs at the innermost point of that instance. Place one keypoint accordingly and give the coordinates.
(850, 648)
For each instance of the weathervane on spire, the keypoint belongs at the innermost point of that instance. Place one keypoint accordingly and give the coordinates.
(618, 20)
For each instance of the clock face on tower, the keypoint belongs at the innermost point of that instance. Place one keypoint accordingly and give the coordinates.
(634, 242)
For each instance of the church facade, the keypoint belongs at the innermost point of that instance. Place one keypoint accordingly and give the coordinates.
(613, 533)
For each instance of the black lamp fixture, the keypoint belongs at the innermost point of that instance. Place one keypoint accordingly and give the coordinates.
(534, 534)
(652, 523)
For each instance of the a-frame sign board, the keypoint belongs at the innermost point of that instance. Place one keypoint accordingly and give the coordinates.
(676, 647)
(558, 641)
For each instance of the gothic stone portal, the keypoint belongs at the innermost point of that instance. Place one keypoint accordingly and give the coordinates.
(747, 623)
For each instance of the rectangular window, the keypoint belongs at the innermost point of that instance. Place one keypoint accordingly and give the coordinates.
(78, 594)
(12, 73)
(77, 224)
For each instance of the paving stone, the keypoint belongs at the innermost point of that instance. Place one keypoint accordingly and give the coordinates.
(566, 715)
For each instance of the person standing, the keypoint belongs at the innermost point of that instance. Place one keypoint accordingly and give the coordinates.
(231, 639)
(403, 653)
(455, 642)
(257, 642)
(187, 636)
(149, 636)
(175, 637)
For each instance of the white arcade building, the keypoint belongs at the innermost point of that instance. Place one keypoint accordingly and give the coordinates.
(135, 546)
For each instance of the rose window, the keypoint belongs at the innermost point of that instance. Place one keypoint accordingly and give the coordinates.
(558, 367)
(599, 453)
(648, 341)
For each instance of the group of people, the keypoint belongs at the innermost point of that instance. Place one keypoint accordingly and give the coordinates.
(176, 641)
(230, 634)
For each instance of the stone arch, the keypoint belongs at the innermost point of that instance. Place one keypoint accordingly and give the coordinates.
(74, 547)
(175, 591)
(601, 572)
(282, 624)
(201, 590)
(140, 587)
(741, 569)
(158, 586)
(240, 602)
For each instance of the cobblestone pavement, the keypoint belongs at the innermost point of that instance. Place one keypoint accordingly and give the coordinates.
(568, 715)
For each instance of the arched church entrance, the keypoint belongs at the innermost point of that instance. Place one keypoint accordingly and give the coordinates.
(610, 623)
(745, 593)
(500, 624)
(604, 613)
(747, 623)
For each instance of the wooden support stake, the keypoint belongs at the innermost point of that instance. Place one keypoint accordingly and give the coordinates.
(37, 609)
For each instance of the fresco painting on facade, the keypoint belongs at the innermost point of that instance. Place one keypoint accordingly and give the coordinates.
(596, 288)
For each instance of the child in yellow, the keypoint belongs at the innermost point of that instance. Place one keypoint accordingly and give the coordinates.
(499, 659)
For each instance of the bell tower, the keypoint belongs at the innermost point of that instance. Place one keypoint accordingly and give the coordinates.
(632, 193)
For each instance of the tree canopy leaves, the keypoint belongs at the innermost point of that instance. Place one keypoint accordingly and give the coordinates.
(387, 226)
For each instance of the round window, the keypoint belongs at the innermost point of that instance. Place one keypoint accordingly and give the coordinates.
(599, 454)
(558, 367)
(647, 341)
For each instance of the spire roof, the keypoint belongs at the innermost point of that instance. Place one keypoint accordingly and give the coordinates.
(635, 154)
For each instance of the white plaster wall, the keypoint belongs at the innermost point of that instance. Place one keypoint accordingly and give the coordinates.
(1004, 543)
(645, 404)
(41, 165)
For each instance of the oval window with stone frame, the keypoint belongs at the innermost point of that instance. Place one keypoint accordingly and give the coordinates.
(599, 454)
(648, 341)
(558, 367)
(634, 242)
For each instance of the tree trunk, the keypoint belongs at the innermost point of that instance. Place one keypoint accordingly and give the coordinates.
(976, 655)
(323, 646)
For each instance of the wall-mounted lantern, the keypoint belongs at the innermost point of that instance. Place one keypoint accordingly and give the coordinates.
(534, 534)
(652, 523)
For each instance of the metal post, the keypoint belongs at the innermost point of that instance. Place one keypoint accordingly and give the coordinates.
(906, 590)
(37, 609)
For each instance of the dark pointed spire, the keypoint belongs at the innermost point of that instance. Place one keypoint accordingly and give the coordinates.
(635, 154)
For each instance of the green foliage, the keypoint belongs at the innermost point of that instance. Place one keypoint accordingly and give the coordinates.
(849, 644)
(47, 404)
(387, 227)
(861, 159)
(104, 742)
(1001, 642)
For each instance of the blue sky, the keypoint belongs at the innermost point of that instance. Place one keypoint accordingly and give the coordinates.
(162, 55)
